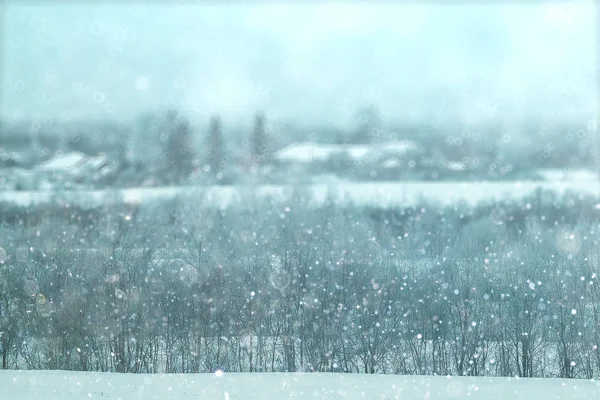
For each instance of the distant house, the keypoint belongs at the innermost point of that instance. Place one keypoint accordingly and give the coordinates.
(567, 175)
(392, 162)
(75, 166)
(16, 178)
(395, 154)
(456, 166)
(311, 152)
(12, 160)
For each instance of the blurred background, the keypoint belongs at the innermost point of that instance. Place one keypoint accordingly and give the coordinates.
(177, 93)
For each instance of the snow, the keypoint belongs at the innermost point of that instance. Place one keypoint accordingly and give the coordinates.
(64, 162)
(17, 157)
(456, 166)
(68, 385)
(72, 161)
(398, 147)
(357, 151)
(380, 194)
(306, 152)
(96, 163)
(391, 163)
(557, 174)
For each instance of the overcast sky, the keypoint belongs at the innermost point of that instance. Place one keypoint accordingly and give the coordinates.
(307, 62)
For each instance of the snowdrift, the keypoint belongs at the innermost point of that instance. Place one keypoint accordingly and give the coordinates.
(381, 194)
(67, 385)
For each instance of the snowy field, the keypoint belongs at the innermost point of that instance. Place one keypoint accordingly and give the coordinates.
(381, 194)
(67, 385)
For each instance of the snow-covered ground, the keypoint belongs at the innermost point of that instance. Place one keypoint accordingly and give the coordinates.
(67, 385)
(381, 194)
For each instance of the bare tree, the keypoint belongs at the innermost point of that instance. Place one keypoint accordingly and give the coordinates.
(180, 153)
(216, 150)
(258, 140)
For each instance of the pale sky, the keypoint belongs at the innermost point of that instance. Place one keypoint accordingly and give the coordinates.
(307, 63)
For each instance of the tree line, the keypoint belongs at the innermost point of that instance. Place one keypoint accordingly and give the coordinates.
(165, 147)
(499, 289)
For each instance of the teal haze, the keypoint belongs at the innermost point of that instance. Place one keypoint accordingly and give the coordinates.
(306, 63)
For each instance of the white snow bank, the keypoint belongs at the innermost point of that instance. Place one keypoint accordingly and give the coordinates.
(306, 152)
(72, 161)
(379, 194)
(67, 385)
(64, 162)
(397, 147)
(555, 174)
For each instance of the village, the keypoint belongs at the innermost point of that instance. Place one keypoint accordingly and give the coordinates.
(165, 149)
